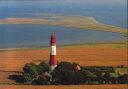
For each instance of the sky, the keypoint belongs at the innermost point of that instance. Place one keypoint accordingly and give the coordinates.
(122, 2)
(91, 1)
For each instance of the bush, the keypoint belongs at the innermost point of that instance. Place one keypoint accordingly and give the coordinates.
(123, 79)
(32, 72)
(64, 73)
(41, 80)
(43, 67)
(67, 73)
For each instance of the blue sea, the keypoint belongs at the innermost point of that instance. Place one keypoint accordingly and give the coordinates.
(112, 12)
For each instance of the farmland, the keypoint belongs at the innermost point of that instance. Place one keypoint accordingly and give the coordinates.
(87, 55)
(12, 60)
(64, 87)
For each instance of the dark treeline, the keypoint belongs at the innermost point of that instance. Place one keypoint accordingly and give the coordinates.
(67, 73)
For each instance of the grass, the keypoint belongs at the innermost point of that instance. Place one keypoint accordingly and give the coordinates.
(112, 44)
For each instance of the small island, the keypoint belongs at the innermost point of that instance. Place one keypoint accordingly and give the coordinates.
(81, 22)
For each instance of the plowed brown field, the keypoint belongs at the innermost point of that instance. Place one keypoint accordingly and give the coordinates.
(64, 87)
(87, 55)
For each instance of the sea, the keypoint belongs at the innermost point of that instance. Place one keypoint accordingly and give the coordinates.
(111, 12)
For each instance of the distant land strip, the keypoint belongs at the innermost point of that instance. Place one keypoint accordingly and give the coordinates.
(81, 22)
(115, 44)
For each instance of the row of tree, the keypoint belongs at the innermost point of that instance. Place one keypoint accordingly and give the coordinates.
(67, 73)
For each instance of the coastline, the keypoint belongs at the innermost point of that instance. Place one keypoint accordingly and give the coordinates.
(69, 45)
(82, 22)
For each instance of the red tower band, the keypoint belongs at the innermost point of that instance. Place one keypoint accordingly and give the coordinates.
(53, 62)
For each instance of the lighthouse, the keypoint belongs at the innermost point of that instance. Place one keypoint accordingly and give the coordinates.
(53, 62)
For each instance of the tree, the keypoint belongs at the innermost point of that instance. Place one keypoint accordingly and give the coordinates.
(67, 73)
(107, 77)
(43, 79)
(63, 73)
(43, 67)
(123, 79)
(30, 72)
(34, 73)
(31, 68)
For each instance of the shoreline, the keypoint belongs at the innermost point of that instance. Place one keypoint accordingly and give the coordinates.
(66, 45)
(81, 22)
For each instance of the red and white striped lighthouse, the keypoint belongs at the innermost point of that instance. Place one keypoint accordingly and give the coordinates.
(53, 62)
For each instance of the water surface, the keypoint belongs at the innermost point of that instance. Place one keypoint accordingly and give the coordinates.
(37, 35)
(111, 12)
